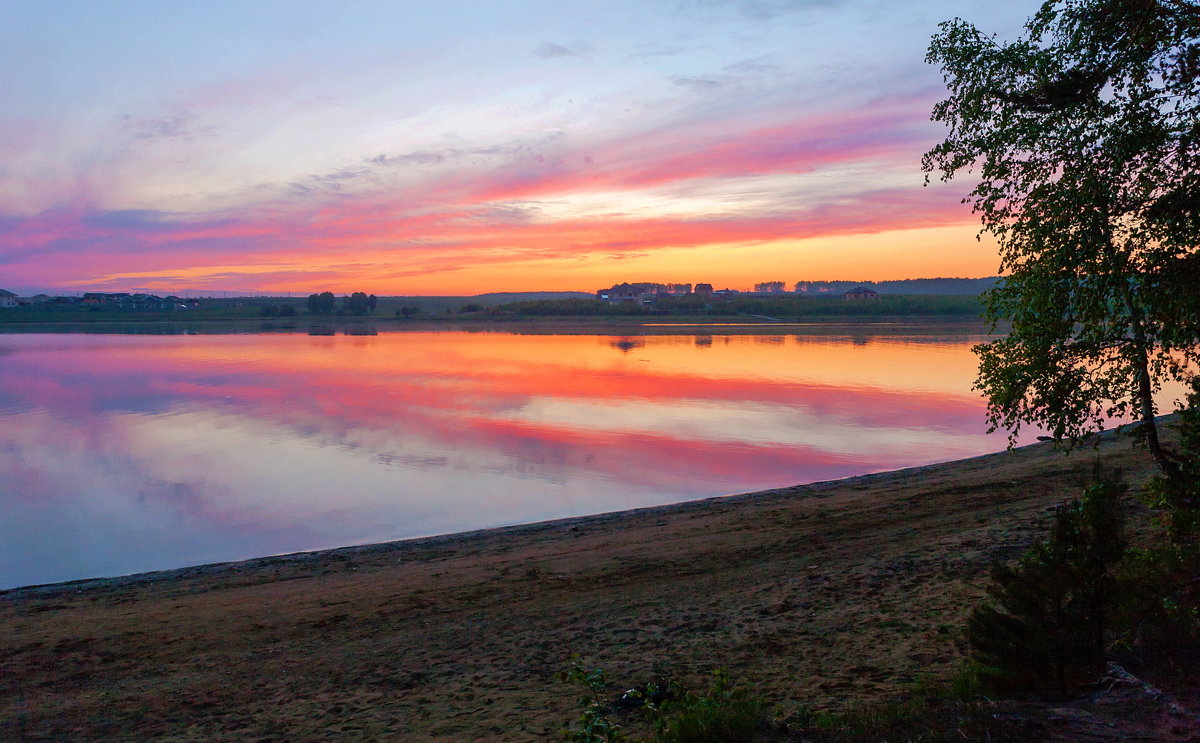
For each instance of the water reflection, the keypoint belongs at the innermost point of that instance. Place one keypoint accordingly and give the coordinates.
(129, 453)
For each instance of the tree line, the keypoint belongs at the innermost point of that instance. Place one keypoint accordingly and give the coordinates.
(358, 304)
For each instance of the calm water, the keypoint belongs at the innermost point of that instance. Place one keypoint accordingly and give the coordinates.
(122, 453)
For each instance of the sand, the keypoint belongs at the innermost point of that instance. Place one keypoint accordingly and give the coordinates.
(815, 595)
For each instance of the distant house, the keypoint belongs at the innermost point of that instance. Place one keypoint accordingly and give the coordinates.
(120, 299)
(151, 302)
(623, 293)
(861, 292)
(704, 290)
(640, 293)
(7, 298)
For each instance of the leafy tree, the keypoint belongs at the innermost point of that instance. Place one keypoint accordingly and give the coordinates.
(357, 303)
(1085, 134)
(322, 304)
(372, 303)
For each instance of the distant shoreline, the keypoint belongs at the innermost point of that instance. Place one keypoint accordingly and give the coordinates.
(340, 325)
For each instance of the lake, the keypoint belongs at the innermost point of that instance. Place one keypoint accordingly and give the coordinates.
(128, 453)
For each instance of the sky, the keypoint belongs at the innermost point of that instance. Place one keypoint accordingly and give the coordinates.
(467, 147)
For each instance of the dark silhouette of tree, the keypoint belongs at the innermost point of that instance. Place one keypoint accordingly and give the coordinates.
(1085, 135)
(357, 303)
(1043, 630)
(322, 304)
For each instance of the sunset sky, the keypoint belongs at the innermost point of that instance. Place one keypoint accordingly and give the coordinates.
(467, 147)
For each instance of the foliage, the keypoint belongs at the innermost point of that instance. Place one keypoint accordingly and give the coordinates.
(1160, 581)
(1159, 597)
(277, 310)
(1178, 498)
(929, 717)
(322, 304)
(886, 305)
(782, 306)
(1085, 133)
(571, 307)
(359, 303)
(722, 714)
(593, 725)
(1044, 633)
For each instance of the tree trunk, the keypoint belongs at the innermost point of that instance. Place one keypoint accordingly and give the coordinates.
(1145, 392)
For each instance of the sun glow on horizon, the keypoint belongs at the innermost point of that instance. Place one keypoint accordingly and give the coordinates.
(700, 144)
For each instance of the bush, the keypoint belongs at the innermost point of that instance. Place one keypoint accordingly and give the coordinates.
(1043, 633)
(722, 714)
(1160, 582)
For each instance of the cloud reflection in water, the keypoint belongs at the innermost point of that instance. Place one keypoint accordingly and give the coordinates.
(127, 453)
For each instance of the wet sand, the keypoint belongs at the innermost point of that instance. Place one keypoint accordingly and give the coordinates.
(816, 595)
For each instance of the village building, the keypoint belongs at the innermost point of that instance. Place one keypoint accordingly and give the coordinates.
(7, 298)
(861, 292)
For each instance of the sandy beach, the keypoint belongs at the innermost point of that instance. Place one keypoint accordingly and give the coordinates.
(816, 595)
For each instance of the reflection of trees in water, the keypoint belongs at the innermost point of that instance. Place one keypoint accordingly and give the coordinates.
(771, 340)
(628, 344)
(703, 341)
(348, 330)
(859, 339)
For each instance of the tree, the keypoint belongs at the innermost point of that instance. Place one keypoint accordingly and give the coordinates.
(357, 303)
(1085, 134)
(322, 304)
(1043, 630)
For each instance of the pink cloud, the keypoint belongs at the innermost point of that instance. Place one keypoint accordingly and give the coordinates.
(463, 218)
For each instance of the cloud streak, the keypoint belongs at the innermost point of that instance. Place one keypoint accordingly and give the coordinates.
(440, 210)
(710, 130)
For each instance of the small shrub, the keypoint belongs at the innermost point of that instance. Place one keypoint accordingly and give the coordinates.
(722, 714)
(593, 725)
(1160, 587)
(1160, 596)
(1043, 632)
